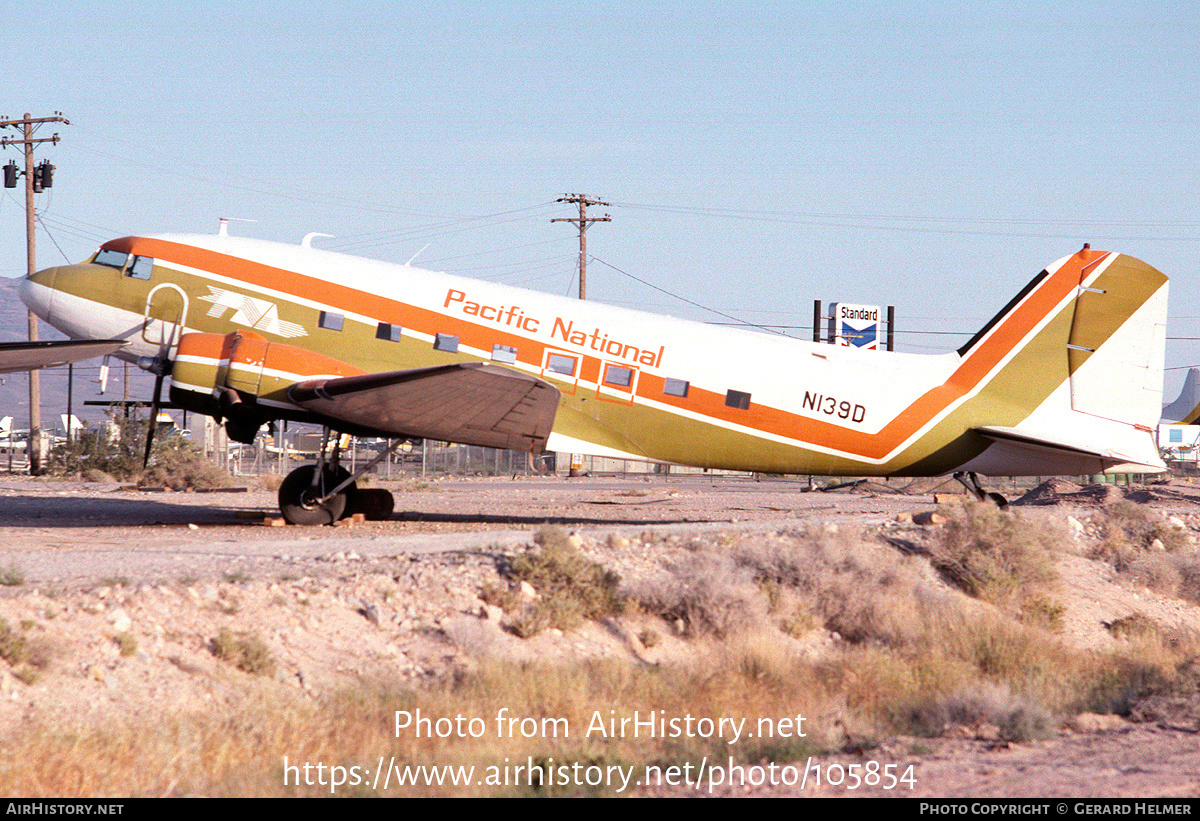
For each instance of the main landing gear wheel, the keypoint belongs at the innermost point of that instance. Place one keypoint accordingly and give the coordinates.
(301, 503)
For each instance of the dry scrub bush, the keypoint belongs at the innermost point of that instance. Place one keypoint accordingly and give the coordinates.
(996, 555)
(1014, 716)
(1040, 611)
(859, 589)
(1155, 572)
(1149, 550)
(11, 575)
(571, 587)
(917, 655)
(1172, 574)
(1128, 531)
(28, 658)
(1189, 577)
(709, 594)
(14, 647)
(174, 460)
(245, 651)
(1136, 625)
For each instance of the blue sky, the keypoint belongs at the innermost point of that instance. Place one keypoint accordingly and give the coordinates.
(756, 156)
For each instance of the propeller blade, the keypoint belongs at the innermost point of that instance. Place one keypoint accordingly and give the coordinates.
(161, 366)
(104, 376)
(154, 405)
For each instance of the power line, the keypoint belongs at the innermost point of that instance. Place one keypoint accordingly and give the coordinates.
(688, 301)
(933, 225)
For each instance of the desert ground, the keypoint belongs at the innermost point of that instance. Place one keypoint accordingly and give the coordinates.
(121, 597)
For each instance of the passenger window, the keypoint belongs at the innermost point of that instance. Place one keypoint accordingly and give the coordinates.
(504, 353)
(616, 375)
(140, 268)
(330, 320)
(675, 387)
(389, 332)
(558, 363)
(737, 399)
(446, 342)
(111, 258)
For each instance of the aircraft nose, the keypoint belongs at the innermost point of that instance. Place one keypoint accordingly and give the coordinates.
(37, 291)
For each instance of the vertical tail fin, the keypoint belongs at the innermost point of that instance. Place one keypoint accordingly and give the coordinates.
(1076, 365)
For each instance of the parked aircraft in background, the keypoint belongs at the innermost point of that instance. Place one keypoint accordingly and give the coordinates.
(9, 438)
(1066, 379)
(1186, 409)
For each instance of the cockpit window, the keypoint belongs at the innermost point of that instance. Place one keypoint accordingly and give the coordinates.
(140, 268)
(111, 258)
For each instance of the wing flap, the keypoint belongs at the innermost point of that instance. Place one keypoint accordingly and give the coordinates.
(28, 356)
(473, 403)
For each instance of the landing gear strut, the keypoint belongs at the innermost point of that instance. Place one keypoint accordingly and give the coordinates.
(974, 488)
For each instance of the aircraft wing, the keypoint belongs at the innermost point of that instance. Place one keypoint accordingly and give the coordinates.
(1135, 460)
(28, 356)
(473, 403)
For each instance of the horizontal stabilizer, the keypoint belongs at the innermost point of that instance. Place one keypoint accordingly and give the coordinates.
(1090, 459)
(472, 403)
(28, 356)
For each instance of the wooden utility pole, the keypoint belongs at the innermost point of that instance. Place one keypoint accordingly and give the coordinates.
(27, 141)
(583, 222)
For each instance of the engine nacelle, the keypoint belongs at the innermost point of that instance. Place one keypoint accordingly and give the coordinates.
(243, 377)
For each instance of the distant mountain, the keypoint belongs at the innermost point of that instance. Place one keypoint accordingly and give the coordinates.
(14, 387)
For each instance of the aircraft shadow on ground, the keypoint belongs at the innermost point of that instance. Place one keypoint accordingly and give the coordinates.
(41, 512)
(64, 512)
(500, 518)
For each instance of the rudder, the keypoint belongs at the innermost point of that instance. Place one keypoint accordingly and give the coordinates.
(1118, 341)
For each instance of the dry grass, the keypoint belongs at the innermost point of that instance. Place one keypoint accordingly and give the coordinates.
(852, 698)
(269, 481)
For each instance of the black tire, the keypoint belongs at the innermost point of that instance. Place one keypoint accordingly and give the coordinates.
(295, 492)
(376, 504)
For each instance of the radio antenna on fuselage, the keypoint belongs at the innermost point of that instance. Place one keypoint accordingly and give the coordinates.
(310, 236)
(223, 231)
(417, 254)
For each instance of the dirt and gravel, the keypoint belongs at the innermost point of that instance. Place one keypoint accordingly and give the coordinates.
(124, 590)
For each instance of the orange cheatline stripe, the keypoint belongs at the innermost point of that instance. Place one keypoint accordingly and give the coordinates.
(984, 357)
(979, 361)
(254, 349)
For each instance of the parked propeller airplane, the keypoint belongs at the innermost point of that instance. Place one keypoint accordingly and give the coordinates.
(1066, 379)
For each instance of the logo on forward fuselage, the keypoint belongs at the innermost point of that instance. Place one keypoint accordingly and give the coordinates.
(256, 314)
